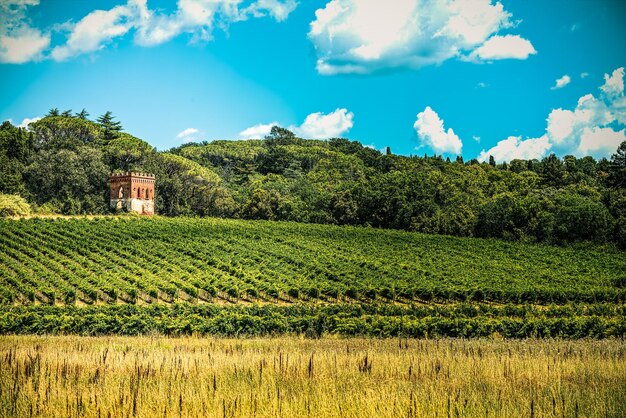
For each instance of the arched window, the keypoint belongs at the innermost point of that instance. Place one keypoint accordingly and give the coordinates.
(147, 193)
(120, 193)
(134, 189)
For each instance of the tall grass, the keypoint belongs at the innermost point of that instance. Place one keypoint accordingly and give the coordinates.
(290, 377)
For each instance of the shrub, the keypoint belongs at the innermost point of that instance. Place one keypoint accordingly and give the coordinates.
(70, 297)
(388, 293)
(233, 292)
(13, 205)
(620, 282)
(371, 293)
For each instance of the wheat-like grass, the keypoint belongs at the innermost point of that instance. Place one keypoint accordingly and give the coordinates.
(292, 377)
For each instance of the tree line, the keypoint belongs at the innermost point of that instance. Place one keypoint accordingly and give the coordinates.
(61, 163)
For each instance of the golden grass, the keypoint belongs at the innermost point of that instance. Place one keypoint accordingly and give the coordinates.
(291, 377)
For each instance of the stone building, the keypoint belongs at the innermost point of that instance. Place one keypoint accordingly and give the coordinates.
(133, 192)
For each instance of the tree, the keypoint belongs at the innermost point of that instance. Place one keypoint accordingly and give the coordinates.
(68, 133)
(497, 217)
(53, 112)
(280, 136)
(15, 150)
(67, 113)
(618, 167)
(13, 205)
(552, 171)
(73, 180)
(517, 166)
(492, 161)
(82, 114)
(127, 153)
(581, 218)
(110, 126)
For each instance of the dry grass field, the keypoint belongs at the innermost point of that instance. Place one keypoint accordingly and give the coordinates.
(290, 377)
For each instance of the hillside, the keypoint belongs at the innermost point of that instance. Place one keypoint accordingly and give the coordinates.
(182, 275)
(61, 163)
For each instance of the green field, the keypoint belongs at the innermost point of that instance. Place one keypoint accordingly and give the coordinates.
(133, 275)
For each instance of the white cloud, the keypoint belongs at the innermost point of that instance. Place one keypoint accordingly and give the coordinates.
(515, 148)
(257, 131)
(322, 126)
(503, 47)
(588, 129)
(315, 126)
(188, 135)
(565, 126)
(618, 110)
(277, 9)
(28, 121)
(19, 41)
(614, 83)
(431, 132)
(561, 82)
(476, 138)
(187, 132)
(199, 17)
(362, 36)
(93, 31)
(600, 142)
(584, 75)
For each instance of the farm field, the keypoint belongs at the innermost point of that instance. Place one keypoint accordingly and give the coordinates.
(125, 275)
(288, 377)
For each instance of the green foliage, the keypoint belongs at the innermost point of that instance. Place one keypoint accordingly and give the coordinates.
(581, 218)
(61, 162)
(13, 205)
(280, 136)
(618, 167)
(459, 320)
(147, 275)
(127, 153)
(186, 187)
(110, 127)
(75, 180)
(53, 133)
(15, 150)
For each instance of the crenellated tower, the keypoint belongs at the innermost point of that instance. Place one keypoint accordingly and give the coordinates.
(133, 192)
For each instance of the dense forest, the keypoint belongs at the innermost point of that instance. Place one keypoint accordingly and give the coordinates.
(60, 164)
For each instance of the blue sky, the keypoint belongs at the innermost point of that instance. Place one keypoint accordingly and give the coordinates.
(473, 77)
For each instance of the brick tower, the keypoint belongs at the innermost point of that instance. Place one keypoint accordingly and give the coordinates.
(133, 192)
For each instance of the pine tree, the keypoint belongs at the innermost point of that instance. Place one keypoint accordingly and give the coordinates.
(82, 114)
(618, 166)
(492, 161)
(111, 127)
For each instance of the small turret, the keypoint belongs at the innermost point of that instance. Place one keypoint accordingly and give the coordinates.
(133, 192)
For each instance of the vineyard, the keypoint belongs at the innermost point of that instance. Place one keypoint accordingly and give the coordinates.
(129, 275)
